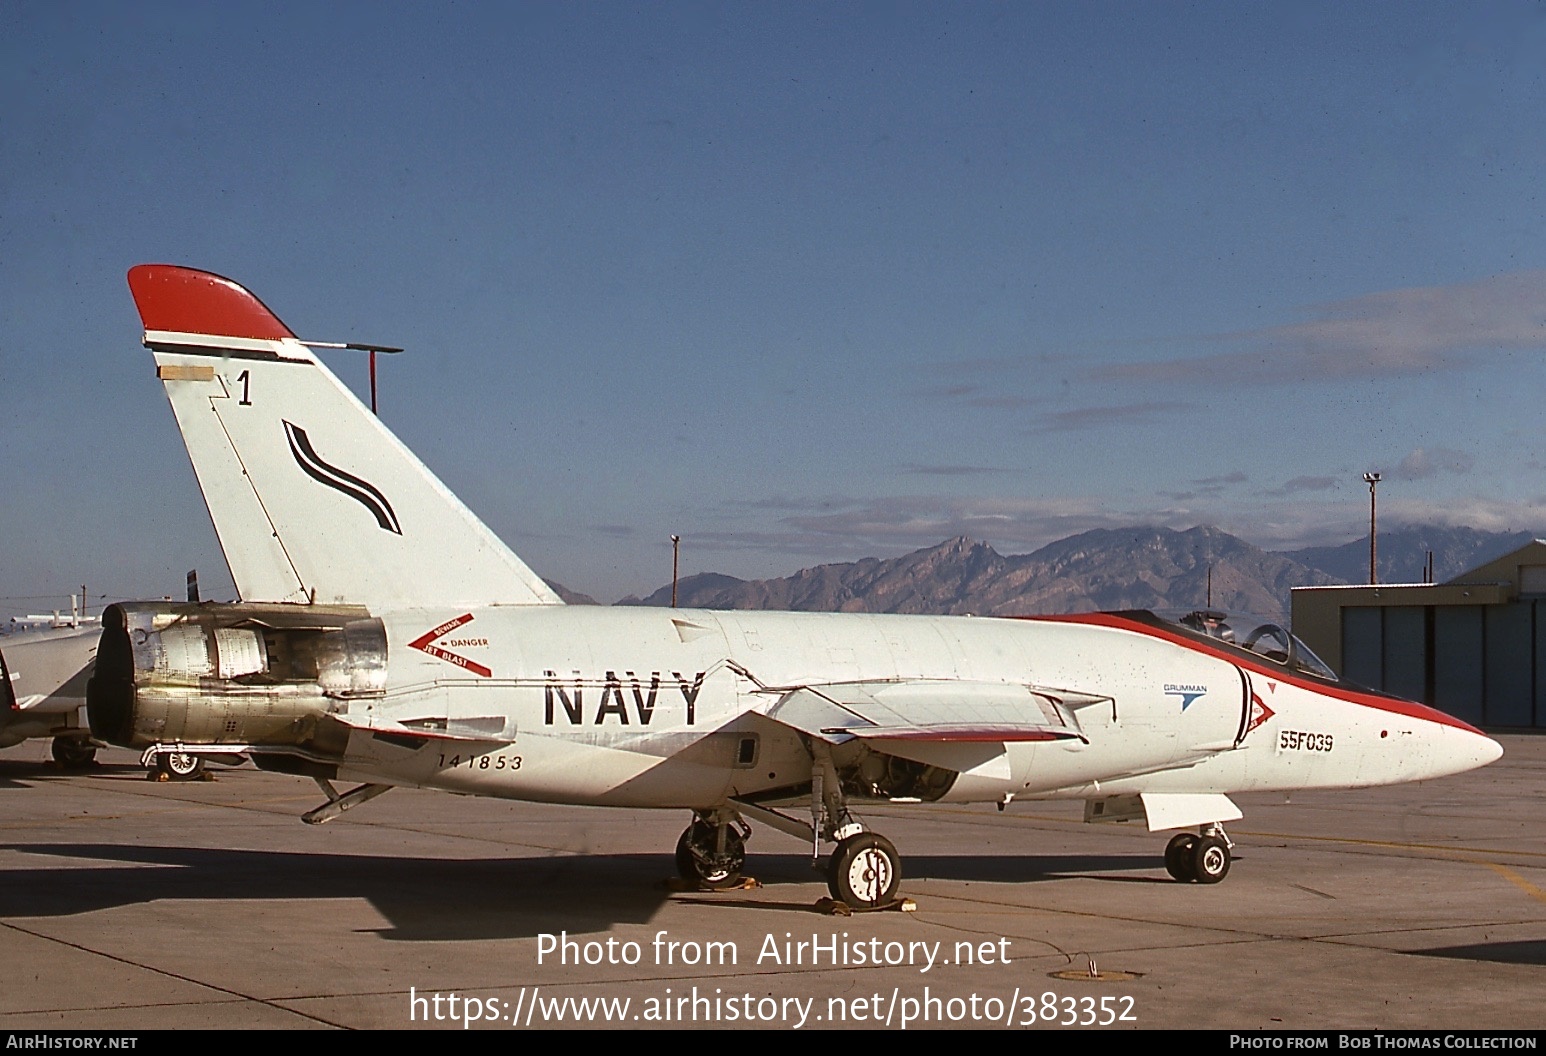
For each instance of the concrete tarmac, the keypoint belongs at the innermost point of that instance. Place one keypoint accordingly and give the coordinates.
(128, 904)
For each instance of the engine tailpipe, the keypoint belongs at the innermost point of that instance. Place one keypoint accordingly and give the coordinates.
(256, 675)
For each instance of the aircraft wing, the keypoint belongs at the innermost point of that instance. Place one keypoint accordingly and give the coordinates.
(932, 711)
(47, 670)
(955, 724)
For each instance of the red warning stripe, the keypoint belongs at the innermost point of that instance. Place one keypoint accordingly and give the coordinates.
(423, 643)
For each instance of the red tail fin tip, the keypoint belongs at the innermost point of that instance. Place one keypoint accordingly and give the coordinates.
(188, 301)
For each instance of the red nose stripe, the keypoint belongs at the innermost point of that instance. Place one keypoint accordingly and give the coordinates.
(1394, 705)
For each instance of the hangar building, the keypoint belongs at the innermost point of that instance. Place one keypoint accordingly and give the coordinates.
(1474, 647)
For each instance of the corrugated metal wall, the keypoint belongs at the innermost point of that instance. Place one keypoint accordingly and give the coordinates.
(1482, 663)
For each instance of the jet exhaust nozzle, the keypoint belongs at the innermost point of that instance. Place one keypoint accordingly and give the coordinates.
(260, 675)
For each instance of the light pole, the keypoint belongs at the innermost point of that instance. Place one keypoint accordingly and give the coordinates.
(676, 549)
(1373, 480)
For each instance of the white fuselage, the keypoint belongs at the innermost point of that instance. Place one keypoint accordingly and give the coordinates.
(668, 707)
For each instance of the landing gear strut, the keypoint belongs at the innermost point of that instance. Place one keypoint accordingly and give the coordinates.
(865, 870)
(712, 851)
(1202, 858)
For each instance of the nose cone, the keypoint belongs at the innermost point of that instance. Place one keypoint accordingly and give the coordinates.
(1459, 750)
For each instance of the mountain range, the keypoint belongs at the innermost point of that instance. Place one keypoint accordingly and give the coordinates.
(1127, 568)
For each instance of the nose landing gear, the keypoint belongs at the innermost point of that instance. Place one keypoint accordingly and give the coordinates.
(1201, 858)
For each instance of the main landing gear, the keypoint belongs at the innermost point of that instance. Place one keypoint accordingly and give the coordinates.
(1202, 858)
(74, 753)
(864, 871)
(712, 851)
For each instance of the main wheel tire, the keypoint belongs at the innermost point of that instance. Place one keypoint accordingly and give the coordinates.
(180, 766)
(73, 754)
(701, 868)
(1178, 857)
(865, 871)
(1210, 860)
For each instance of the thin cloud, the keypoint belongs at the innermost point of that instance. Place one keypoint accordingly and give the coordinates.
(1387, 334)
(1299, 523)
(956, 471)
(824, 529)
(896, 524)
(1423, 463)
(1104, 417)
(999, 382)
(1207, 487)
(977, 396)
(1237, 477)
(1004, 402)
(793, 503)
(1488, 515)
(1299, 484)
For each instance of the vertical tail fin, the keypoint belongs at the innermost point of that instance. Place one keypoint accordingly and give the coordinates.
(312, 497)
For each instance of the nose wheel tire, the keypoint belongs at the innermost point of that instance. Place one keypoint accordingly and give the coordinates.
(180, 766)
(865, 871)
(1210, 860)
(1178, 857)
(698, 860)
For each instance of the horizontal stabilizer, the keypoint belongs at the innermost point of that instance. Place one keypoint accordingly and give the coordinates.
(492, 729)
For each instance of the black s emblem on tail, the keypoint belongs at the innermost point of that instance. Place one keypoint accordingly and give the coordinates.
(361, 491)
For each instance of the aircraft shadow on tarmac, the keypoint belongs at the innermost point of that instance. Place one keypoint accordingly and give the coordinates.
(1524, 951)
(434, 899)
(26, 773)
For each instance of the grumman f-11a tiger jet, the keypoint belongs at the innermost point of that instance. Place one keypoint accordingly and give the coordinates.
(386, 637)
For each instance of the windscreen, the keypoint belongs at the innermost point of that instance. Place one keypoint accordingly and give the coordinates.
(1255, 634)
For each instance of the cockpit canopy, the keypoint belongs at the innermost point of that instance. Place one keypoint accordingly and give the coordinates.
(1258, 635)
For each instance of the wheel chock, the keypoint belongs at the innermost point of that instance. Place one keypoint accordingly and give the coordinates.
(834, 908)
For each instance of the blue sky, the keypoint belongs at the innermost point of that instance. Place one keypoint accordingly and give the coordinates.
(798, 282)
